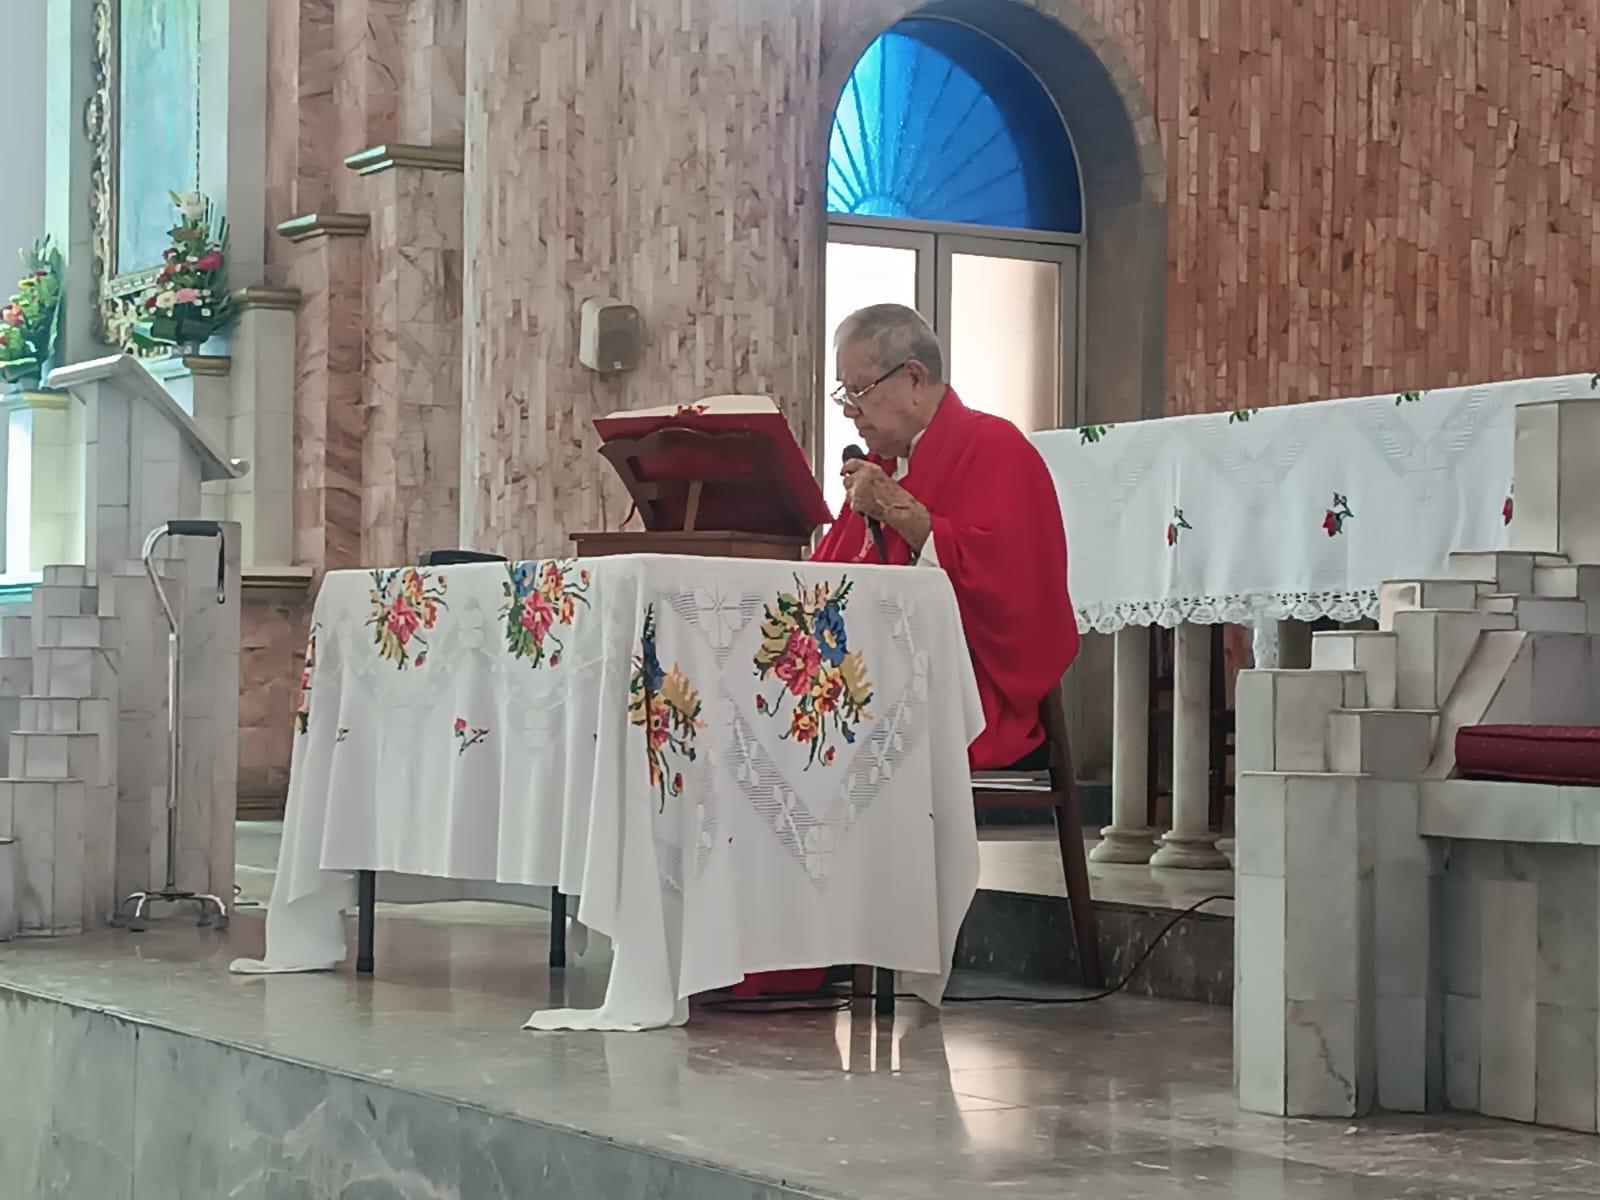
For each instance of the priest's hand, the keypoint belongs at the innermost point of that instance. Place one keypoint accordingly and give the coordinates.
(873, 494)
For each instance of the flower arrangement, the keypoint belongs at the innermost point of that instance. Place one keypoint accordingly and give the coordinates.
(189, 302)
(30, 323)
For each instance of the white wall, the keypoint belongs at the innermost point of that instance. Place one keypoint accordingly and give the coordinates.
(22, 66)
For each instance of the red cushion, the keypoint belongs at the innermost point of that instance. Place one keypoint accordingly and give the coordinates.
(1530, 753)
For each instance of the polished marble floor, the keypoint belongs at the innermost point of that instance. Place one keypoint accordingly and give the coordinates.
(1026, 861)
(1123, 1098)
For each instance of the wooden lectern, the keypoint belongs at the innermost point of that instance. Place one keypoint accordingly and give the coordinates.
(726, 482)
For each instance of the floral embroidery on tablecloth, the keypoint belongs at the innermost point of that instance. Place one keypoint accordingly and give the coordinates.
(541, 598)
(406, 603)
(468, 737)
(1509, 508)
(1333, 520)
(1092, 434)
(1241, 416)
(667, 707)
(1176, 526)
(805, 646)
(302, 710)
(1408, 398)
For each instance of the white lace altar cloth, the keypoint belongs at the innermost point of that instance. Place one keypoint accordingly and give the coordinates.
(738, 766)
(1300, 511)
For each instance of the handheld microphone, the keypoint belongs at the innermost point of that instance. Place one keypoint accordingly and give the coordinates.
(874, 526)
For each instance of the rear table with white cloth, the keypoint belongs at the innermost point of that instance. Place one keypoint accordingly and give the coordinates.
(1295, 512)
(739, 766)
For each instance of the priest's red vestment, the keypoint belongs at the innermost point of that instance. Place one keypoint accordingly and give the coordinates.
(998, 534)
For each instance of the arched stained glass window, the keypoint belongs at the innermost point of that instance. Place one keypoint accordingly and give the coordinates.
(940, 123)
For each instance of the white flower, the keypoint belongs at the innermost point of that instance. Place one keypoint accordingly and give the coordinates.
(191, 204)
(205, 312)
(166, 300)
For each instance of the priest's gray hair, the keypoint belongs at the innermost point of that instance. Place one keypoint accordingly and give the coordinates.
(894, 334)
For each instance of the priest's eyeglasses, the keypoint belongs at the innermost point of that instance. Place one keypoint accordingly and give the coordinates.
(845, 398)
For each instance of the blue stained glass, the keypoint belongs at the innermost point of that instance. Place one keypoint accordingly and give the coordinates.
(939, 123)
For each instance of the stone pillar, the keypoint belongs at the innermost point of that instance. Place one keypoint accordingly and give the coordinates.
(411, 454)
(1129, 839)
(261, 425)
(328, 269)
(200, 384)
(1557, 468)
(44, 497)
(1191, 843)
(1304, 1040)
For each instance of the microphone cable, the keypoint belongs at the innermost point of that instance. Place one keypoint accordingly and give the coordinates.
(780, 1003)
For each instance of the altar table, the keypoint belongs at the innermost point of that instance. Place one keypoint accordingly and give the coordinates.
(1297, 512)
(739, 766)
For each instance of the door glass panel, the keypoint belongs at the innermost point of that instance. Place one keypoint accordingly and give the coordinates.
(1005, 337)
(857, 276)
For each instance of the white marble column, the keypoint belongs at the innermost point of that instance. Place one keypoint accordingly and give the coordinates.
(1191, 844)
(1129, 839)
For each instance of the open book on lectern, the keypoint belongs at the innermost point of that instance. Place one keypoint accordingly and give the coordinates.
(727, 463)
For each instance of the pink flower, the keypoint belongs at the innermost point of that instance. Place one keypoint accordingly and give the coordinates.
(461, 724)
(403, 620)
(1331, 523)
(188, 295)
(210, 262)
(1506, 511)
(537, 615)
(799, 662)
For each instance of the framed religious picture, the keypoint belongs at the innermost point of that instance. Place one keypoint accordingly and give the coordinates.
(144, 127)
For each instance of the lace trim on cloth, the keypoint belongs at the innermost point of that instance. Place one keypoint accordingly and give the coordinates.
(1244, 608)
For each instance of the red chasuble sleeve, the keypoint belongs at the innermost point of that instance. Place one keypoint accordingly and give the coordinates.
(998, 534)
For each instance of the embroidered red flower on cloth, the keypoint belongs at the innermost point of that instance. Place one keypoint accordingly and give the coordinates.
(1506, 511)
(1176, 526)
(1333, 520)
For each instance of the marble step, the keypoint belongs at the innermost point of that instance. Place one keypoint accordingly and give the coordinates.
(80, 632)
(16, 675)
(1385, 743)
(61, 600)
(1369, 652)
(1412, 594)
(74, 672)
(1282, 716)
(1575, 581)
(1508, 570)
(48, 820)
(58, 756)
(16, 636)
(1433, 646)
(52, 714)
(1539, 614)
(66, 575)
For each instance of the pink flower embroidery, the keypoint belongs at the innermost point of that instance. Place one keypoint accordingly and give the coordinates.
(799, 662)
(537, 615)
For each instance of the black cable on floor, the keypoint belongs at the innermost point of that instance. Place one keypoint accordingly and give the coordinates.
(777, 1004)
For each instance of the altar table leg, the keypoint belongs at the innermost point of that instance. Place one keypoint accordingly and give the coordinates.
(558, 928)
(366, 903)
(884, 1004)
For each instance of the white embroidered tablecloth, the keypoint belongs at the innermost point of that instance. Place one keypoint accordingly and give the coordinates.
(738, 766)
(1300, 511)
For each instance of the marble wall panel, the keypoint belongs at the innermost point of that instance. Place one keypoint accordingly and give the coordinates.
(663, 153)
(1361, 197)
(272, 655)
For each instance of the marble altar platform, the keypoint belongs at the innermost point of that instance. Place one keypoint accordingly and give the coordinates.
(156, 1074)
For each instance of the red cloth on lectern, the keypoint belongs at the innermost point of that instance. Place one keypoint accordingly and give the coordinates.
(998, 534)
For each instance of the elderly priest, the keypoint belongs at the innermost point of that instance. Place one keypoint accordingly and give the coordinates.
(944, 485)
